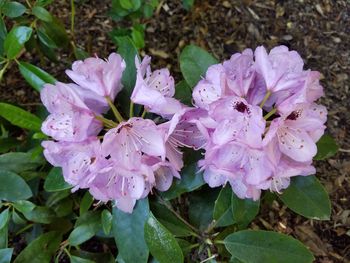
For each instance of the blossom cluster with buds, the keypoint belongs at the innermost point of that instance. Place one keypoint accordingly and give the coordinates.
(254, 116)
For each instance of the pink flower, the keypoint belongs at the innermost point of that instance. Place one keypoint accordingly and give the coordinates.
(240, 72)
(155, 90)
(102, 77)
(137, 135)
(211, 88)
(70, 118)
(297, 132)
(79, 161)
(280, 68)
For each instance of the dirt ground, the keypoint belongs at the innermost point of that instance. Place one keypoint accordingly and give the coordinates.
(319, 30)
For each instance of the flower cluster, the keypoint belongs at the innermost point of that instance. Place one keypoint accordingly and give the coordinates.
(116, 160)
(261, 122)
(255, 116)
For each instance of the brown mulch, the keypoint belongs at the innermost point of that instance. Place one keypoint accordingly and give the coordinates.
(319, 30)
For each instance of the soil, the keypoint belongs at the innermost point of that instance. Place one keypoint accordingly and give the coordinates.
(318, 30)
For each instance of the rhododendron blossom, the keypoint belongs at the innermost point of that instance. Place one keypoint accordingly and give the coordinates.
(254, 116)
(119, 160)
(262, 123)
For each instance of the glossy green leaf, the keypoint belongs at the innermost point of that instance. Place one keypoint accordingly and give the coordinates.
(137, 35)
(265, 246)
(106, 220)
(13, 9)
(244, 210)
(223, 208)
(55, 30)
(161, 243)
(201, 207)
(4, 218)
(41, 249)
(3, 34)
(74, 259)
(35, 76)
(4, 237)
(326, 147)
(5, 255)
(40, 214)
(170, 221)
(85, 203)
(194, 62)
(85, 228)
(55, 181)
(128, 231)
(17, 218)
(20, 117)
(23, 206)
(187, 4)
(191, 180)
(106, 257)
(307, 197)
(183, 93)
(13, 187)
(15, 40)
(45, 39)
(43, 2)
(41, 13)
(19, 162)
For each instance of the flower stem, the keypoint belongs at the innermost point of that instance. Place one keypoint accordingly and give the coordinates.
(144, 113)
(106, 122)
(2, 71)
(196, 231)
(131, 112)
(72, 18)
(115, 110)
(267, 96)
(268, 115)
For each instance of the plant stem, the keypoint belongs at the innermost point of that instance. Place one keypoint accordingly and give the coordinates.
(106, 122)
(72, 17)
(144, 113)
(131, 112)
(114, 109)
(196, 231)
(272, 112)
(2, 71)
(267, 96)
(24, 229)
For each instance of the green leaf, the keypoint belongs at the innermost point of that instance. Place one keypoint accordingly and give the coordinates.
(41, 249)
(85, 228)
(106, 257)
(4, 218)
(137, 35)
(85, 203)
(43, 2)
(23, 206)
(201, 207)
(223, 208)
(4, 237)
(307, 197)
(128, 231)
(17, 218)
(45, 39)
(5, 255)
(170, 221)
(126, 4)
(188, 4)
(191, 180)
(13, 9)
(161, 243)
(326, 147)
(183, 92)
(106, 220)
(265, 246)
(64, 207)
(35, 76)
(244, 210)
(42, 14)
(55, 30)
(74, 259)
(55, 182)
(194, 62)
(40, 214)
(18, 162)
(13, 187)
(20, 117)
(14, 41)
(3, 34)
